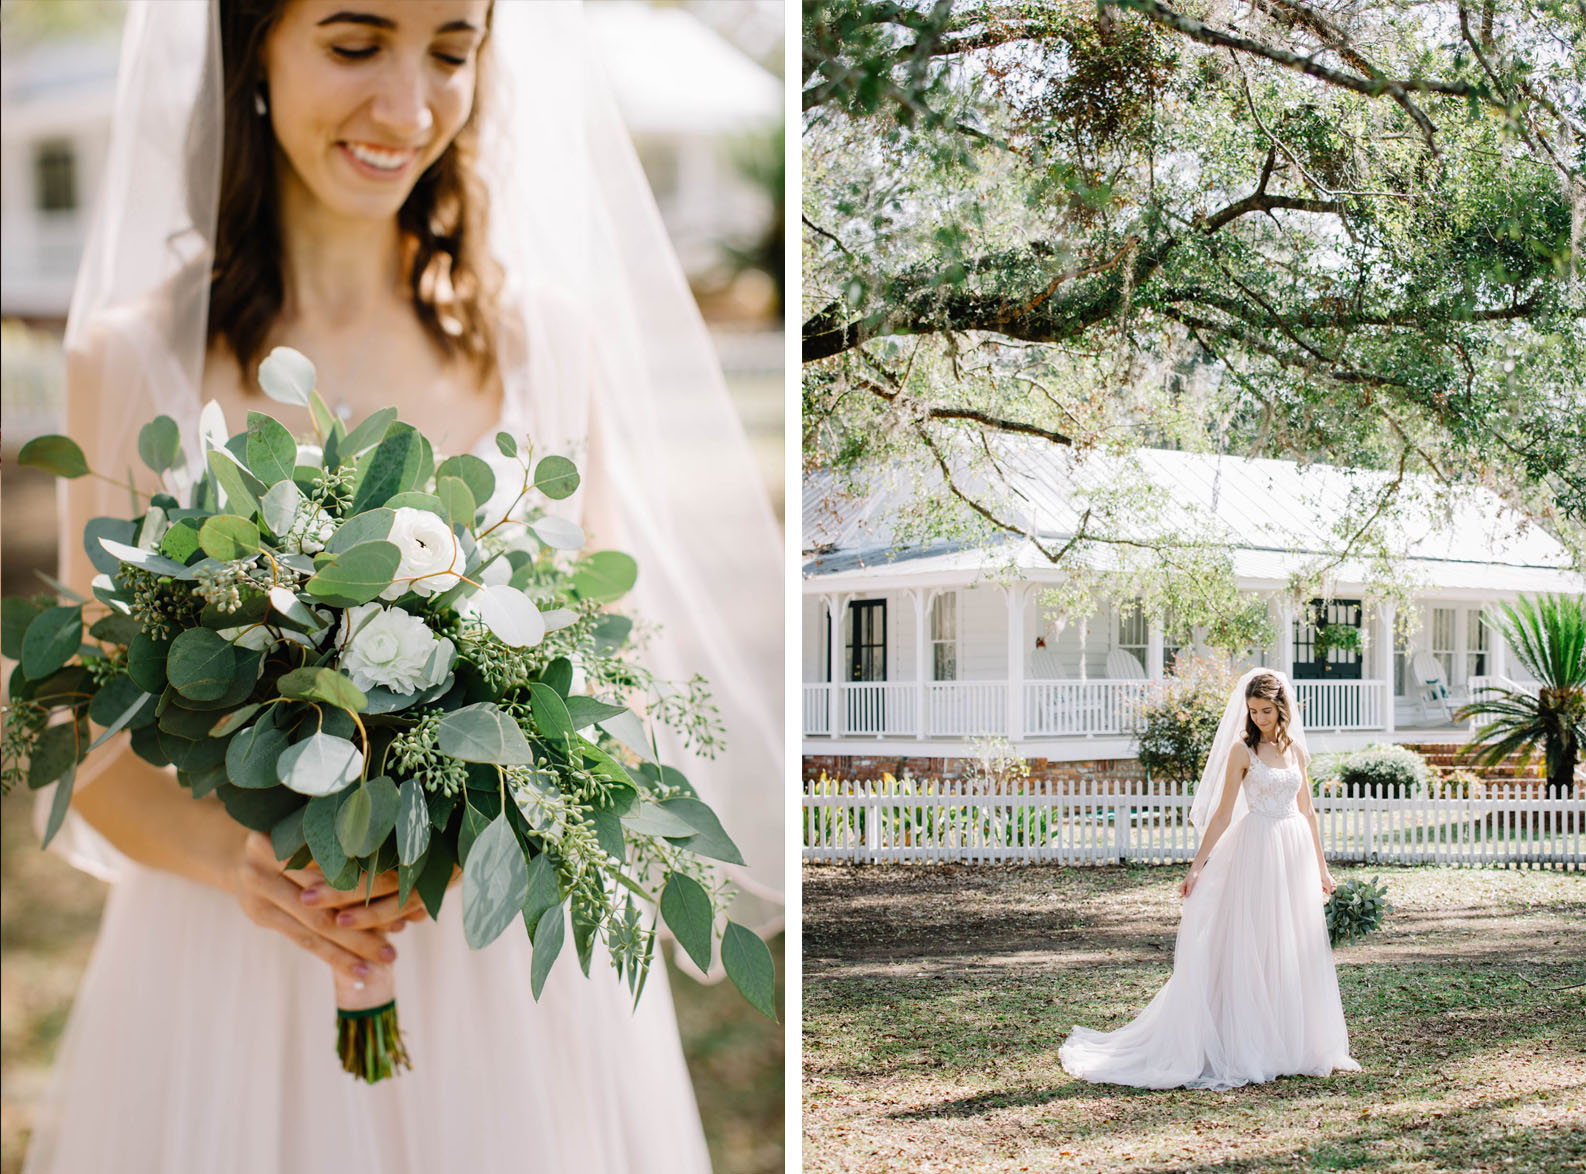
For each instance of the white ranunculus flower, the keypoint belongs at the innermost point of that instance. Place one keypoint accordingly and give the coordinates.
(391, 648)
(431, 558)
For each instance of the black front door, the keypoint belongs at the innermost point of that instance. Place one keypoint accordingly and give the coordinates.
(1315, 657)
(867, 661)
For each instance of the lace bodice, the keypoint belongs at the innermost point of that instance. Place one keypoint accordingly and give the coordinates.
(1271, 790)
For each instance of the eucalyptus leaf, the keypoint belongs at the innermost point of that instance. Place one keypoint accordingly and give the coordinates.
(686, 907)
(160, 443)
(241, 488)
(53, 638)
(390, 469)
(322, 684)
(495, 883)
(548, 937)
(147, 559)
(605, 575)
(509, 614)
(201, 664)
(437, 875)
(370, 526)
(544, 892)
(59, 804)
(474, 472)
(506, 444)
(319, 829)
(413, 822)
(556, 477)
(59, 455)
(356, 575)
(558, 533)
(279, 506)
(457, 501)
(252, 754)
(227, 537)
(117, 530)
(319, 765)
(483, 733)
(287, 376)
(748, 963)
(367, 816)
(368, 434)
(711, 839)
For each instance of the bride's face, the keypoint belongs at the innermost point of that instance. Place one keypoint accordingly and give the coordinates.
(1263, 713)
(365, 94)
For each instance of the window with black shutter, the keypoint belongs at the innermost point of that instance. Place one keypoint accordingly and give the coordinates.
(1314, 659)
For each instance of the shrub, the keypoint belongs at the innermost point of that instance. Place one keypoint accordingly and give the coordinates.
(1177, 719)
(1355, 909)
(1395, 771)
(1324, 770)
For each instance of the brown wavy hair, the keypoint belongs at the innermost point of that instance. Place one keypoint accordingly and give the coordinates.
(1267, 687)
(456, 283)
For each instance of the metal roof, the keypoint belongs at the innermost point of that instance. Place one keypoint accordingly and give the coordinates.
(1274, 516)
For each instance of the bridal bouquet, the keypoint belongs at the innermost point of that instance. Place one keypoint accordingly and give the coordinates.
(384, 662)
(1355, 909)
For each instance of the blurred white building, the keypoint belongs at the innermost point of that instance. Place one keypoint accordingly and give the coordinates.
(685, 92)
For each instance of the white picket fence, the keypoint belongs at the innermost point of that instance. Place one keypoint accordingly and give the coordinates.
(1092, 822)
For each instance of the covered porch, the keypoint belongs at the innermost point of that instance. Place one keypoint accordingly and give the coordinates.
(959, 661)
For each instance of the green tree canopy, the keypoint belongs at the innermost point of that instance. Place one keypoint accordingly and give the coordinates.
(1349, 235)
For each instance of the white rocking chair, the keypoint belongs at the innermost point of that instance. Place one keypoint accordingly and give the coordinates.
(1431, 686)
(1123, 665)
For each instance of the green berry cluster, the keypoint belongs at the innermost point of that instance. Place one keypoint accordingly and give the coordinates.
(332, 489)
(416, 755)
(225, 584)
(163, 606)
(24, 722)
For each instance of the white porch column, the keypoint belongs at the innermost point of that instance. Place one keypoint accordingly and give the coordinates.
(922, 606)
(1016, 594)
(1500, 653)
(1387, 619)
(1285, 645)
(1153, 649)
(1084, 628)
(1460, 677)
(834, 695)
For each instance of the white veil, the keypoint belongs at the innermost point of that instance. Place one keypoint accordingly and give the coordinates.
(603, 355)
(1209, 793)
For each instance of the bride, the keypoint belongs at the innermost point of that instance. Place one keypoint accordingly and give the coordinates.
(1253, 994)
(435, 201)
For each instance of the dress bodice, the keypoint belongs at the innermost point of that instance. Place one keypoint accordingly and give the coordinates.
(1271, 790)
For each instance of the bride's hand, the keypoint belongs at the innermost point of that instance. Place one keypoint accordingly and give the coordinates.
(272, 897)
(1188, 882)
(1328, 883)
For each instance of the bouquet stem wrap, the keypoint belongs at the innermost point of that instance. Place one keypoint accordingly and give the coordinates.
(368, 1037)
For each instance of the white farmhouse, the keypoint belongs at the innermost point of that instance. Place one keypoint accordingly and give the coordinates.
(912, 652)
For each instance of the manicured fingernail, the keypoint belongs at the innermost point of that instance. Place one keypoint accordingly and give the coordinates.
(345, 918)
(361, 969)
(309, 896)
(387, 954)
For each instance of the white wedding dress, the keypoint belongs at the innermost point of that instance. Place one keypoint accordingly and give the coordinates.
(1253, 994)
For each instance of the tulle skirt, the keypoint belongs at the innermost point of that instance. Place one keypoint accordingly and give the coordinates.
(1253, 994)
(200, 1043)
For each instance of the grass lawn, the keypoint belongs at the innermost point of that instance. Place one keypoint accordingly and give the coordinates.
(49, 914)
(935, 998)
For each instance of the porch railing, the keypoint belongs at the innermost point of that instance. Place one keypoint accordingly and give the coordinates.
(966, 709)
(1060, 708)
(1052, 709)
(879, 707)
(1341, 705)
